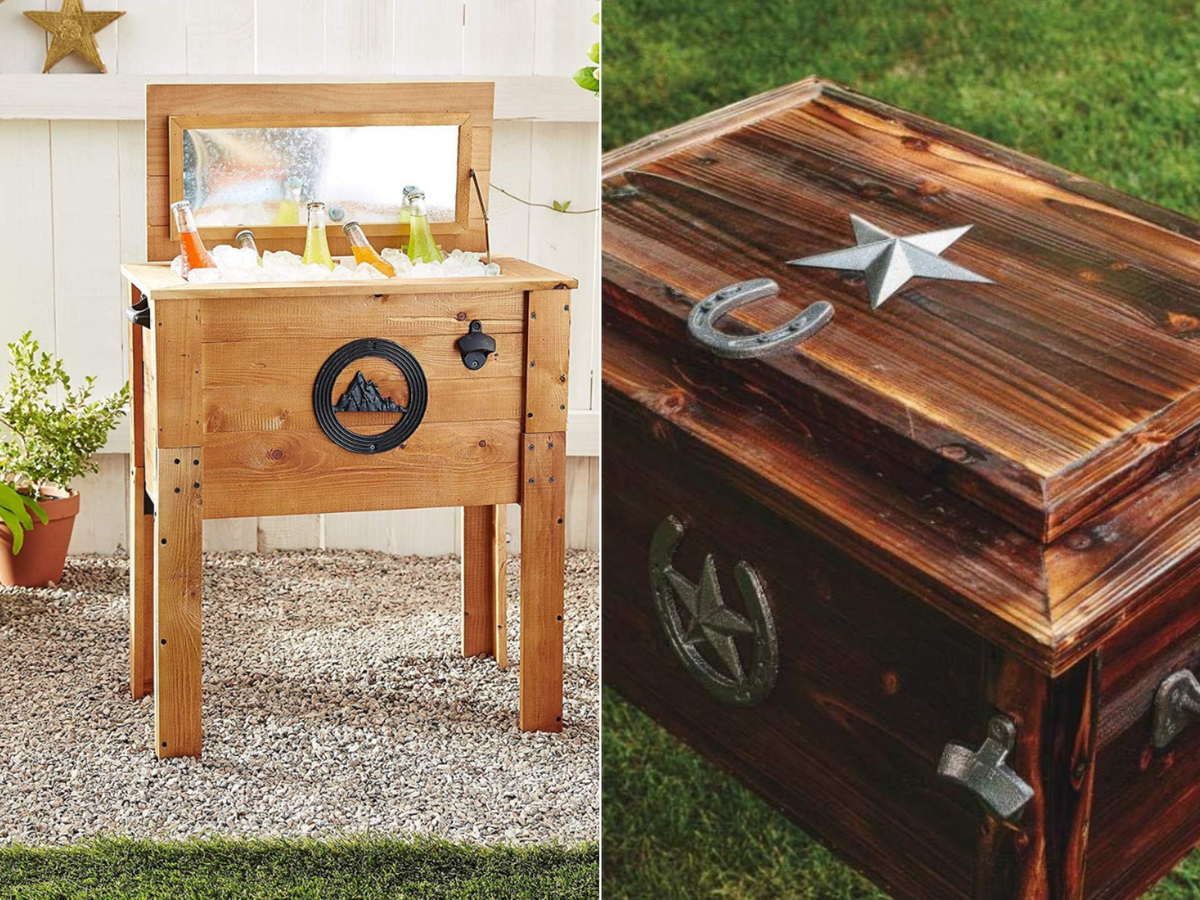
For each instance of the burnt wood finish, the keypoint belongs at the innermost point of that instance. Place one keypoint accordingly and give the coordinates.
(978, 499)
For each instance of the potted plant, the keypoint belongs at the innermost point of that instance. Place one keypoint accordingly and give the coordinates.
(46, 443)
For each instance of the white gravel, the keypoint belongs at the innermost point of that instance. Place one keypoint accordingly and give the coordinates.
(335, 702)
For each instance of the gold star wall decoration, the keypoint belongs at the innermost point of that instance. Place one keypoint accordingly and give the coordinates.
(73, 30)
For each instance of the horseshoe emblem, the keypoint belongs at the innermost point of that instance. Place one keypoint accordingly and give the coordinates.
(713, 624)
(702, 321)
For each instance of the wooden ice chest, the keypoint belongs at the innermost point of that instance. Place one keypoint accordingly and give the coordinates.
(234, 386)
(973, 511)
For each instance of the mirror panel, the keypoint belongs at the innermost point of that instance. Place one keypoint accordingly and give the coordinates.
(256, 176)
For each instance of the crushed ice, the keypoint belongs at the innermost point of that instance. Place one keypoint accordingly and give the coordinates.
(240, 264)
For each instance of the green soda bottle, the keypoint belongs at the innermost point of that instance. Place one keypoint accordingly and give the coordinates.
(421, 246)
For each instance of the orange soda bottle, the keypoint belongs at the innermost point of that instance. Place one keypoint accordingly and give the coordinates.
(363, 251)
(191, 247)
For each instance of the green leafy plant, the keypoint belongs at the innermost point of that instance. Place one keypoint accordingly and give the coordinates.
(47, 442)
(562, 205)
(588, 77)
(15, 512)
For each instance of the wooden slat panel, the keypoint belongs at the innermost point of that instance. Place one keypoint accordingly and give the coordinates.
(86, 203)
(296, 362)
(439, 49)
(297, 48)
(564, 168)
(220, 37)
(295, 472)
(177, 346)
(511, 164)
(377, 315)
(27, 239)
(22, 43)
(363, 42)
(289, 407)
(543, 483)
(151, 37)
(178, 538)
(288, 533)
(498, 39)
(484, 586)
(564, 31)
(131, 151)
(546, 361)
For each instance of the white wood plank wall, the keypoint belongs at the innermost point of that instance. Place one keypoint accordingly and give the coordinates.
(72, 187)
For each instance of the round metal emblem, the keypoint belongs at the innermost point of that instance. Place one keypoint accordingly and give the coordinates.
(367, 397)
(712, 624)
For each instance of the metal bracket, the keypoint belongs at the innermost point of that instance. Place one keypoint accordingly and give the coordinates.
(139, 313)
(1002, 791)
(702, 321)
(1176, 706)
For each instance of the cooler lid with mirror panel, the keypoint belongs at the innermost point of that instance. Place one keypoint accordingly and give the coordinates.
(252, 155)
(1046, 396)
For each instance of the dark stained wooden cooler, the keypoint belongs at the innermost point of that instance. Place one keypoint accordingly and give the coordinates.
(974, 510)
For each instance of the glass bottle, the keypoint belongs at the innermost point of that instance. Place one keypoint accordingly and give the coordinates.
(421, 246)
(363, 251)
(288, 212)
(316, 245)
(245, 239)
(191, 247)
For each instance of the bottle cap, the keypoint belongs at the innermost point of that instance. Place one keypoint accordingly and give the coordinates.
(181, 204)
(412, 190)
(316, 204)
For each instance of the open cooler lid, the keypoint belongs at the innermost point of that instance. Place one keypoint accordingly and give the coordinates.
(1045, 396)
(251, 155)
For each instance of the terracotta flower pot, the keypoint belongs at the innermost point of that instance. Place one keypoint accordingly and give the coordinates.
(41, 560)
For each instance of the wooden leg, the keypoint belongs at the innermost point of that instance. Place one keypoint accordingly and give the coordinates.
(141, 528)
(485, 566)
(141, 587)
(543, 556)
(178, 563)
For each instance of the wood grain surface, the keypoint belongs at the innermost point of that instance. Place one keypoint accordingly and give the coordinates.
(543, 555)
(178, 564)
(1054, 392)
(484, 582)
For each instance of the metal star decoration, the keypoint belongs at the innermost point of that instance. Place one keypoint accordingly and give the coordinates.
(73, 30)
(713, 622)
(888, 261)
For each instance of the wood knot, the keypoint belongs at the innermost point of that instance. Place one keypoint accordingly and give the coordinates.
(915, 143)
(927, 188)
(275, 454)
(873, 190)
(1080, 540)
(461, 316)
(1181, 323)
(1091, 277)
(960, 453)
(617, 194)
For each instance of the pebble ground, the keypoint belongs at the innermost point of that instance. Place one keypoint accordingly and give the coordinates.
(336, 702)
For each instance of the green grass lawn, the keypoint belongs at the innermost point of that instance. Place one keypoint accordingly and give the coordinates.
(1107, 88)
(354, 870)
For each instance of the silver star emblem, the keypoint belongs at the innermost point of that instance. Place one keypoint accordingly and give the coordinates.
(713, 622)
(888, 261)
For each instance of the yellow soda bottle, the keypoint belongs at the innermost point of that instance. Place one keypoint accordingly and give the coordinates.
(421, 246)
(288, 212)
(316, 245)
(363, 251)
